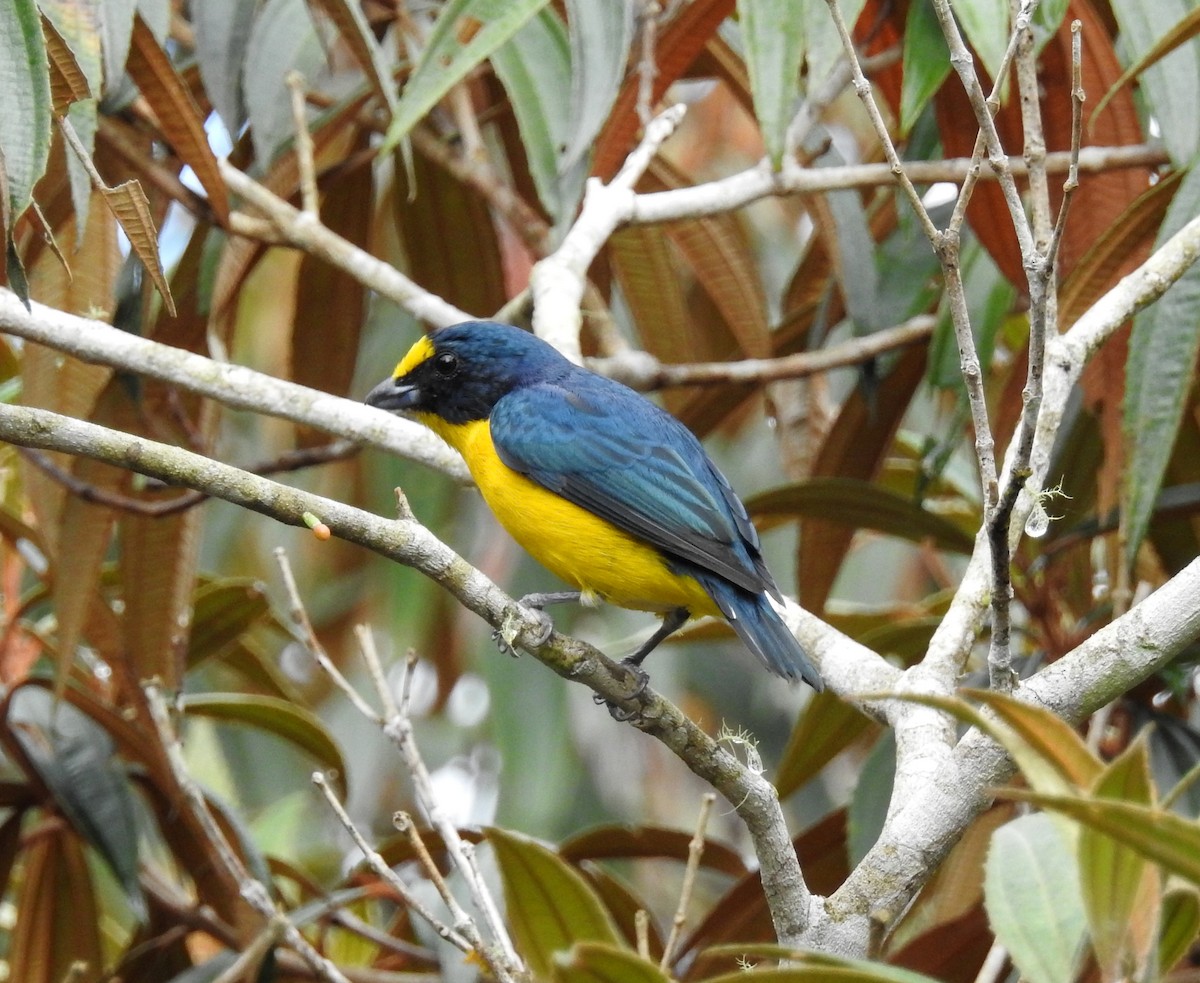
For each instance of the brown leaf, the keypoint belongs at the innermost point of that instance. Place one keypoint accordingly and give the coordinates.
(58, 923)
(1101, 198)
(129, 205)
(449, 238)
(68, 84)
(855, 448)
(178, 116)
(330, 304)
(678, 44)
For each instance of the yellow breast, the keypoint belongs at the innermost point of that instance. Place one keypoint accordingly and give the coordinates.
(589, 553)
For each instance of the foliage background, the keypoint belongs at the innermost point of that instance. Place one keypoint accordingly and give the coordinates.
(452, 142)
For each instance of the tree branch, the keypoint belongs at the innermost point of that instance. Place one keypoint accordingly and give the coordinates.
(231, 385)
(846, 665)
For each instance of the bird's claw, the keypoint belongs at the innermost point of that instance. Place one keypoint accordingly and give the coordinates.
(641, 679)
(514, 627)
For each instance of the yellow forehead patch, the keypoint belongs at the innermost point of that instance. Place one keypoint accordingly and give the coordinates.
(420, 351)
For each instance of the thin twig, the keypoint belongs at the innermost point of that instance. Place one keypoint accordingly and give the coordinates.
(642, 371)
(253, 891)
(366, 643)
(404, 824)
(304, 144)
(863, 88)
(1042, 320)
(338, 450)
(376, 862)
(312, 644)
(695, 851)
(557, 283)
(975, 172)
(993, 963)
(647, 67)
(400, 730)
(964, 64)
(641, 928)
(253, 954)
(298, 229)
(1033, 131)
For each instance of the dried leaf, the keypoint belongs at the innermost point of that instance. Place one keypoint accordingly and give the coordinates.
(68, 83)
(180, 119)
(130, 207)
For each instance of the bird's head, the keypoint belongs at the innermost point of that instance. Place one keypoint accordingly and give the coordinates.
(457, 374)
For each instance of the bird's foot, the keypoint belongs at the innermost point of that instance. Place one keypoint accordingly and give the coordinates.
(533, 603)
(640, 680)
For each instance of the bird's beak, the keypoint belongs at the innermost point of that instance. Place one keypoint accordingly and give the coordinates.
(393, 394)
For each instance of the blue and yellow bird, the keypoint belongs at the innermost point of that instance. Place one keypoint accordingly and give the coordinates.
(602, 487)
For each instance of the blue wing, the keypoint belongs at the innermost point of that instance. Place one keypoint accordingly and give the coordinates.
(608, 450)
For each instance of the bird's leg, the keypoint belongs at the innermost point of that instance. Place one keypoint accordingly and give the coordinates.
(671, 623)
(535, 603)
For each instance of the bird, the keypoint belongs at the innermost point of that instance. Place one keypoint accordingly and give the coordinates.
(605, 489)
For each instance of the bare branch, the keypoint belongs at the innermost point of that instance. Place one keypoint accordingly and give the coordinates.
(557, 283)
(641, 370)
(695, 851)
(231, 385)
(847, 667)
(385, 873)
(303, 230)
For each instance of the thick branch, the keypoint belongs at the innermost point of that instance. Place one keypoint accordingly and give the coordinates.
(406, 541)
(304, 230)
(1116, 658)
(231, 385)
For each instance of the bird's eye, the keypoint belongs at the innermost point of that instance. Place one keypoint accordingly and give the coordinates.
(446, 364)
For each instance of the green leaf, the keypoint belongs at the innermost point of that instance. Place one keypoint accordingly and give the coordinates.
(534, 67)
(1164, 837)
(222, 612)
(294, 724)
(74, 758)
(282, 38)
(827, 725)
(985, 23)
(25, 109)
(1031, 893)
(464, 34)
(824, 47)
(872, 796)
(1158, 376)
(1171, 87)
(1120, 889)
(222, 35)
(117, 27)
(773, 34)
(1179, 926)
(550, 906)
(592, 962)
(1184, 31)
(1051, 756)
(926, 63)
(600, 34)
(810, 967)
(862, 505)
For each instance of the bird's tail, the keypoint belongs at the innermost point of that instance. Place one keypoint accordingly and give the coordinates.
(764, 633)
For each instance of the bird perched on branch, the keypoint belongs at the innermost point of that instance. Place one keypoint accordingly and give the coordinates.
(611, 493)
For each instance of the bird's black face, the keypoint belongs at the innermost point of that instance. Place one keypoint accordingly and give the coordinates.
(456, 374)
